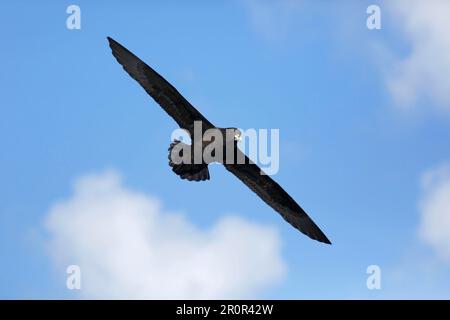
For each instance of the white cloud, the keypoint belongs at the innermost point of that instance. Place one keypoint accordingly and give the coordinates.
(424, 72)
(128, 247)
(435, 210)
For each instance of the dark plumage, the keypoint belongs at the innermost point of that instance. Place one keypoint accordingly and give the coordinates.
(185, 115)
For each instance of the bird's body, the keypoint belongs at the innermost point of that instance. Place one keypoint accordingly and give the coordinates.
(196, 169)
(193, 168)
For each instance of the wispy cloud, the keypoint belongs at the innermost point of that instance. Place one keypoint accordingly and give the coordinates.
(423, 74)
(435, 210)
(128, 246)
(421, 273)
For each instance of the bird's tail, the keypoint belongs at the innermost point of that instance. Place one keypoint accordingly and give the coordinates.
(189, 171)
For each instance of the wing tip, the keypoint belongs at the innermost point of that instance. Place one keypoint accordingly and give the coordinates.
(311, 230)
(322, 238)
(113, 43)
(326, 241)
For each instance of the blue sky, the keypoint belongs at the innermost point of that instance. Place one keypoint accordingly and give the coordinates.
(350, 152)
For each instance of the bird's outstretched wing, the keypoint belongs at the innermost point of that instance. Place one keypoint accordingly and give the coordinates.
(271, 192)
(158, 88)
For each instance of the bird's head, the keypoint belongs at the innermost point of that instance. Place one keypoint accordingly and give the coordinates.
(237, 134)
(233, 134)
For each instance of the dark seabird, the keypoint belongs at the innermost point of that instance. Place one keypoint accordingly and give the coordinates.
(186, 116)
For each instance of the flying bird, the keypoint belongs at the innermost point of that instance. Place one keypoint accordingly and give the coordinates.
(185, 116)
